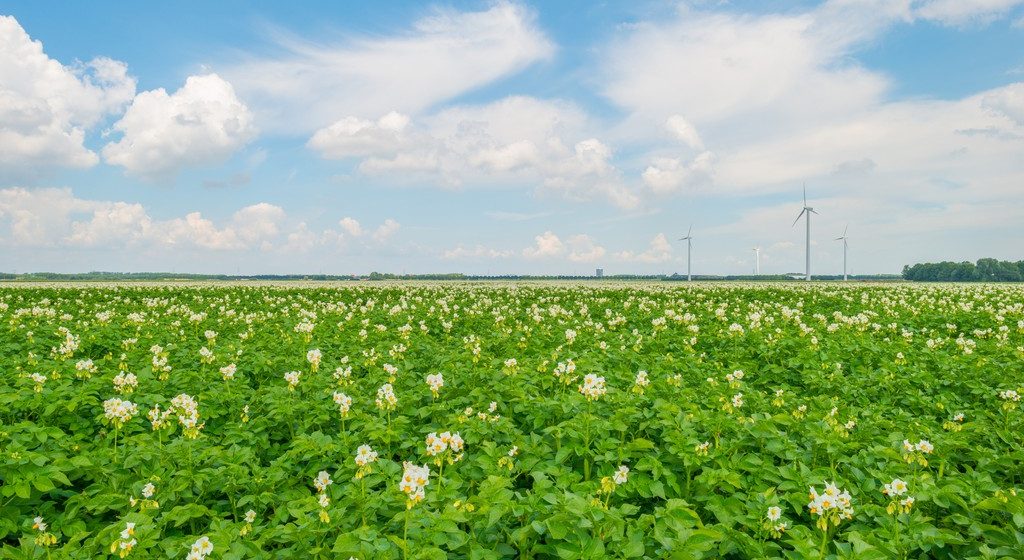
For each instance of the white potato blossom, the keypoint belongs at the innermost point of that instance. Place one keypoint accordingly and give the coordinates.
(386, 399)
(593, 387)
(414, 482)
(119, 412)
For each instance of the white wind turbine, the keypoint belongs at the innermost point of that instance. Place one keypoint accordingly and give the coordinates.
(688, 239)
(808, 211)
(757, 261)
(843, 237)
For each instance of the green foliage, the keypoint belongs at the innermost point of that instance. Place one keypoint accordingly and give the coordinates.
(754, 394)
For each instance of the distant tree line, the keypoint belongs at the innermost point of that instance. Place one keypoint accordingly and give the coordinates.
(985, 270)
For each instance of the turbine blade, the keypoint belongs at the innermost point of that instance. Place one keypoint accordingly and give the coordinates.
(800, 215)
(805, 194)
(845, 228)
(689, 231)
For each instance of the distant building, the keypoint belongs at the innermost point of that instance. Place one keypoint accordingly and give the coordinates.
(600, 273)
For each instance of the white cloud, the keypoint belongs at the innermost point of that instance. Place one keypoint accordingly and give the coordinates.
(513, 141)
(1007, 101)
(659, 251)
(684, 131)
(355, 137)
(475, 252)
(443, 55)
(962, 12)
(583, 248)
(351, 226)
(201, 123)
(546, 245)
(386, 230)
(46, 108)
(669, 175)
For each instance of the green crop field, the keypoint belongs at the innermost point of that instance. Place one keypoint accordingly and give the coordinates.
(511, 421)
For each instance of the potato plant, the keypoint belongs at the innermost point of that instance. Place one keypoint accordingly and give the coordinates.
(532, 420)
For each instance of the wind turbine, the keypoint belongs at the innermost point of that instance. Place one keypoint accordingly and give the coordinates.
(808, 211)
(757, 261)
(688, 239)
(843, 237)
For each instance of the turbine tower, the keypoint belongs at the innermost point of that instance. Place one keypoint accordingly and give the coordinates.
(843, 237)
(757, 261)
(808, 211)
(688, 239)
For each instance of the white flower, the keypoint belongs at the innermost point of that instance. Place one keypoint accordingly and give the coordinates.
(201, 548)
(148, 490)
(365, 455)
(621, 474)
(292, 377)
(228, 371)
(414, 481)
(343, 401)
(593, 387)
(322, 481)
(250, 516)
(435, 382)
(386, 399)
(774, 513)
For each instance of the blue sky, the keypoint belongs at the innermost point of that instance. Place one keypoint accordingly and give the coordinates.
(506, 137)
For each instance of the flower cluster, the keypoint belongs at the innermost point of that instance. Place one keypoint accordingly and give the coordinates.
(228, 372)
(895, 490)
(147, 501)
(321, 482)
(773, 522)
(200, 549)
(39, 380)
(386, 399)
(439, 446)
(292, 377)
(43, 537)
(1010, 399)
(126, 541)
(435, 382)
(509, 460)
(831, 506)
(85, 368)
(160, 419)
(414, 482)
(610, 483)
(313, 357)
(593, 387)
(125, 383)
(250, 518)
(917, 453)
(187, 410)
(344, 403)
(641, 382)
(365, 457)
(119, 412)
(206, 355)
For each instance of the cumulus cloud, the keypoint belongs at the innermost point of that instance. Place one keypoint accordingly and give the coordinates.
(355, 137)
(668, 175)
(351, 226)
(514, 141)
(545, 245)
(202, 123)
(684, 131)
(583, 248)
(659, 250)
(46, 108)
(443, 55)
(386, 230)
(475, 252)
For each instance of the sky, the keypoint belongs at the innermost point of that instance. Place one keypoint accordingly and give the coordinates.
(509, 137)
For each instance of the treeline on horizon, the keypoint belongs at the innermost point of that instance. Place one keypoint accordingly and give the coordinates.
(96, 276)
(985, 270)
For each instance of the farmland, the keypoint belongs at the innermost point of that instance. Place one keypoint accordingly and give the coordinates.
(533, 420)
